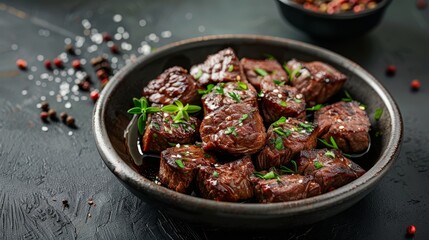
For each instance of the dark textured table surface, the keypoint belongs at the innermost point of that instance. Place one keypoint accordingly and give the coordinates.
(39, 169)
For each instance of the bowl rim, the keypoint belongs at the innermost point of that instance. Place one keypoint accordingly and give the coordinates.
(194, 204)
(339, 16)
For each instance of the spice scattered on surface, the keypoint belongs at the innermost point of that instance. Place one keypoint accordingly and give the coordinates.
(65, 203)
(114, 49)
(411, 230)
(58, 63)
(48, 64)
(107, 37)
(52, 114)
(63, 116)
(44, 116)
(76, 64)
(94, 95)
(44, 106)
(391, 70)
(21, 64)
(70, 121)
(415, 84)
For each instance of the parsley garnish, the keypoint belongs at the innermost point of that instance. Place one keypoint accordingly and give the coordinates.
(278, 82)
(215, 174)
(307, 126)
(285, 169)
(283, 103)
(330, 154)
(231, 68)
(282, 132)
(182, 112)
(219, 89)
(208, 90)
(378, 113)
(231, 130)
(179, 163)
(315, 107)
(261, 72)
(267, 176)
(199, 74)
(242, 86)
(141, 108)
(333, 144)
(281, 120)
(234, 96)
(288, 71)
(294, 73)
(317, 164)
(260, 94)
(348, 98)
(244, 117)
(279, 143)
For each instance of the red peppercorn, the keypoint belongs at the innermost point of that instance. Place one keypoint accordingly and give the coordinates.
(415, 84)
(44, 116)
(114, 49)
(48, 64)
(107, 37)
(102, 74)
(94, 95)
(421, 4)
(22, 64)
(76, 64)
(411, 230)
(391, 70)
(58, 62)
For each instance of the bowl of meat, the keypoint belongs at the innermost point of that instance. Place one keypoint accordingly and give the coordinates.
(246, 131)
(333, 18)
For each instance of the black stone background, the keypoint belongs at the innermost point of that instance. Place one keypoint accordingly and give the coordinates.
(38, 169)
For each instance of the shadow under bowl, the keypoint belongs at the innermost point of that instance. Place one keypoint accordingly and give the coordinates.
(110, 119)
(341, 25)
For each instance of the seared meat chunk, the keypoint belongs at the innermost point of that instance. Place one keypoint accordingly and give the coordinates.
(173, 84)
(233, 129)
(179, 166)
(162, 132)
(229, 93)
(286, 188)
(285, 139)
(282, 101)
(223, 66)
(257, 70)
(229, 182)
(316, 80)
(328, 167)
(347, 123)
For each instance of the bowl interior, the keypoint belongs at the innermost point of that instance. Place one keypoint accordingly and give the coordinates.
(111, 120)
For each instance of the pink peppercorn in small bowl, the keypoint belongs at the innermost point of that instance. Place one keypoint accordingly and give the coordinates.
(339, 20)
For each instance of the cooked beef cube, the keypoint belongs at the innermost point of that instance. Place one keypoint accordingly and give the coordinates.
(346, 123)
(223, 66)
(173, 84)
(328, 167)
(282, 101)
(316, 80)
(229, 93)
(233, 129)
(285, 139)
(228, 182)
(179, 166)
(271, 70)
(162, 132)
(286, 188)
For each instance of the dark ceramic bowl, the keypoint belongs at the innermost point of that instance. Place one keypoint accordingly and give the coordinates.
(322, 25)
(111, 119)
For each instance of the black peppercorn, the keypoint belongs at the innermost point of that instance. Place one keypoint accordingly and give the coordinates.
(63, 116)
(44, 106)
(70, 121)
(52, 114)
(70, 49)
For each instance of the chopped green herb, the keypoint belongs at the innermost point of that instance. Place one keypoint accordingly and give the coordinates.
(269, 56)
(141, 108)
(242, 86)
(155, 125)
(231, 68)
(295, 73)
(260, 94)
(317, 164)
(182, 112)
(281, 120)
(283, 103)
(215, 174)
(279, 143)
(235, 96)
(193, 126)
(297, 100)
(231, 130)
(244, 117)
(180, 163)
(362, 106)
(333, 144)
(378, 113)
(282, 132)
(199, 74)
(219, 89)
(348, 97)
(278, 82)
(267, 176)
(284, 169)
(172, 144)
(307, 126)
(315, 107)
(261, 72)
(208, 90)
(175, 125)
(330, 154)
(288, 71)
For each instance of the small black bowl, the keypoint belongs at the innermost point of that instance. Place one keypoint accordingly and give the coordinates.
(323, 25)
